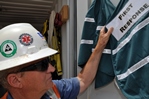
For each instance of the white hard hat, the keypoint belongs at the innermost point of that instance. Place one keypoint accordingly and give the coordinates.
(21, 43)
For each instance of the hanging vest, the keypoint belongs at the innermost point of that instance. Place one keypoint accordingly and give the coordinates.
(130, 49)
(53, 93)
(56, 57)
(97, 16)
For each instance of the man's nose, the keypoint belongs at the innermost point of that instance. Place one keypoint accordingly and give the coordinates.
(51, 68)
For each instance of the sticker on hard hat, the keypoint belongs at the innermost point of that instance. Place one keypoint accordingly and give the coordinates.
(26, 39)
(40, 35)
(8, 48)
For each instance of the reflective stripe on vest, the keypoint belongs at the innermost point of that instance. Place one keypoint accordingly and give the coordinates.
(54, 93)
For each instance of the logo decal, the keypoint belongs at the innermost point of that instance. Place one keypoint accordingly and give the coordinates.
(26, 39)
(8, 48)
(40, 34)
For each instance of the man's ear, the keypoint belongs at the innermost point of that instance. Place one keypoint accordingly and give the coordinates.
(14, 80)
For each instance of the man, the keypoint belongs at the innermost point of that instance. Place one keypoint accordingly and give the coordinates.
(25, 70)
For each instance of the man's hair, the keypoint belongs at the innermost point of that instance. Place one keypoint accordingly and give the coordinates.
(5, 73)
(3, 77)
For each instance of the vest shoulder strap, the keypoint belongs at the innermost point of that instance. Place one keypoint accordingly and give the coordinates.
(56, 91)
(4, 96)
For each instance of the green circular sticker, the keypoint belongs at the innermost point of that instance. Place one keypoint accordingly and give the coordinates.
(8, 48)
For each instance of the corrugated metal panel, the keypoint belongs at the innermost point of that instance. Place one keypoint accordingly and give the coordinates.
(32, 11)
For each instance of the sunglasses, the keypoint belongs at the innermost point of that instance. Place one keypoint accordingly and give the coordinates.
(39, 66)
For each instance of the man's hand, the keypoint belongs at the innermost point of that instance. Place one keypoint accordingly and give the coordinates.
(104, 37)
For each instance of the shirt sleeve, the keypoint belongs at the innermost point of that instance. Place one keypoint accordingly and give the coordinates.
(68, 88)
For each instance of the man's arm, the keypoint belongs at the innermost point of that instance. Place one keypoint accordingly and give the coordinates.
(88, 73)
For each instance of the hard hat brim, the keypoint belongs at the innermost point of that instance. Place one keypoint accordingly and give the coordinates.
(24, 59)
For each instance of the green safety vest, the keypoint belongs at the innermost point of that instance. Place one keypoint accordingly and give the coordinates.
(97, 16)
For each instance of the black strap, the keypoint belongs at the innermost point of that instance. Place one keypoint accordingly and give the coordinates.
(2, 91)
